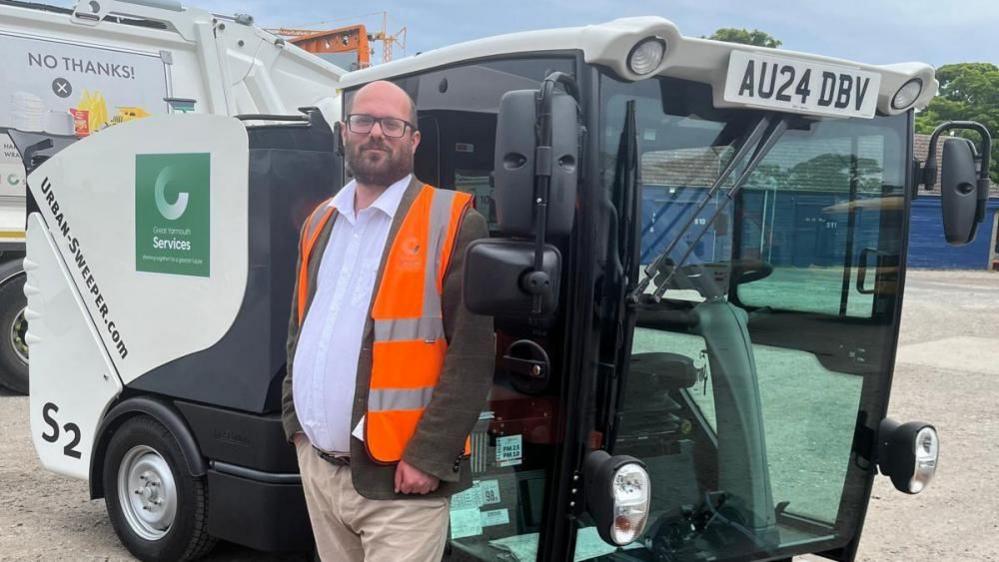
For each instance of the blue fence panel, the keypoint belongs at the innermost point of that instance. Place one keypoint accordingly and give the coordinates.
(798, 229)
(928, 248)
(666, 210)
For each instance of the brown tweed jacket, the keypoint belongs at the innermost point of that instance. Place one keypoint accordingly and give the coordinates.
(461, 392)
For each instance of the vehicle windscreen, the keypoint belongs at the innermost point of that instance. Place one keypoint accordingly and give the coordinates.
(766, 285)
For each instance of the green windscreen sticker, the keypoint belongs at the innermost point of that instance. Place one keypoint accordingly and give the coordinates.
(172, 213)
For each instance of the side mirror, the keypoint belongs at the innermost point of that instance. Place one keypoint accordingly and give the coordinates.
(964, 179)
(501, 281)
(535, 175)
(618, 496)
(521, 157)
(959, 191)
(908, 454)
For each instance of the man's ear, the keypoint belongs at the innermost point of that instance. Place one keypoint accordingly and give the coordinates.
(339, 137)
(416, 140)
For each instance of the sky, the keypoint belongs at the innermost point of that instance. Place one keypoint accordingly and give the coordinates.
(871, 31)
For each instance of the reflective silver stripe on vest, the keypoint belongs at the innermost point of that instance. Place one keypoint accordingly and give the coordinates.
(399, 399)
(408, 329)
(440, 218)
(318, 214)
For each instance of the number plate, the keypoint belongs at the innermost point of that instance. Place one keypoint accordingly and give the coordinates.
(785, 84)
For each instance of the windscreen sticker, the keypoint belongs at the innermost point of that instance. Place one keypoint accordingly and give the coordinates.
(495, 517)
(509, 450)
(480, 447)
(469, 499)
(465, 523)
(490, 491)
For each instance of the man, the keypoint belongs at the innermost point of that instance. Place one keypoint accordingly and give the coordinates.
(387, 369)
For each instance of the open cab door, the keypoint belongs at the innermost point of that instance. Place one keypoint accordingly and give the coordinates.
(762, 265)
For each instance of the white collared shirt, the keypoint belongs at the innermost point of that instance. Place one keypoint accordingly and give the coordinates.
(325, 362)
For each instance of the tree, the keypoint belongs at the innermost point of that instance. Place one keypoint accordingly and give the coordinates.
(834, 172)
(968, 92)
(746, 37)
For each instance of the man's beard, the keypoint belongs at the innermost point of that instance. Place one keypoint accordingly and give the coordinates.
(394, 163)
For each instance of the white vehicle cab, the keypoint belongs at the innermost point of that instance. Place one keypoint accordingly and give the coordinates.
(696, 272)
(70, 73)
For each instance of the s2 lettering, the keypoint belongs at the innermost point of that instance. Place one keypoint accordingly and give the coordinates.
(52, 434)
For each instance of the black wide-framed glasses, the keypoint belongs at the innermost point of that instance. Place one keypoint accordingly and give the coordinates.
(361, 124)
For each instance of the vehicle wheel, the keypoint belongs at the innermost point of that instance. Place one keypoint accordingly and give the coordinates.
(13, 326)
(158, 510)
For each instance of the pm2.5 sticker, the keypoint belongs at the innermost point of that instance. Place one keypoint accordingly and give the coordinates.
(509, 450)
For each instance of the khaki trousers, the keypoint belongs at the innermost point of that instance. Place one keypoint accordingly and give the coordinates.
(349, 527)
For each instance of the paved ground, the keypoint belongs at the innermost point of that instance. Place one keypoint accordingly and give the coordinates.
(947, 366)
(947, 373)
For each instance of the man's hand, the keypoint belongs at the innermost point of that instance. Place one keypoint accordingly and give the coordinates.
(411, 480)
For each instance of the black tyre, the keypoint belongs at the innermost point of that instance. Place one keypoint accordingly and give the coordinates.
(13, 327)
(158, 510)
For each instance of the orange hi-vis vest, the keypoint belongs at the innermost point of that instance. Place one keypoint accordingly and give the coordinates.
(409, 345)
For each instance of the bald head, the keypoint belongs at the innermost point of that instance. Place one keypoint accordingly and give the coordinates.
(375, 158)
(384, 94)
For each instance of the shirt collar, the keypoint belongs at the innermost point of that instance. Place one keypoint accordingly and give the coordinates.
(387, 202)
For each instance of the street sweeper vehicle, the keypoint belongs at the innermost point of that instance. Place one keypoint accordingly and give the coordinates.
(72, 72)
(696, 273)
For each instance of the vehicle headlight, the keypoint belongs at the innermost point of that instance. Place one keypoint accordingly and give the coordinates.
(927, 451)
(908, 453)
(631, 503)
(646, 55)
(907, 94)
(618, 493)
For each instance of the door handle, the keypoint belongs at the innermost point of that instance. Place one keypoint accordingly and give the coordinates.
(862, 271)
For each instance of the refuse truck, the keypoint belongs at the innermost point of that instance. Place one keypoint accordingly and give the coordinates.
(696, 270)
(72, 72)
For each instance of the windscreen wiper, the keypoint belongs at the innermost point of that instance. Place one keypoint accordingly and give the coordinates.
(763, 137)
(623, 209)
